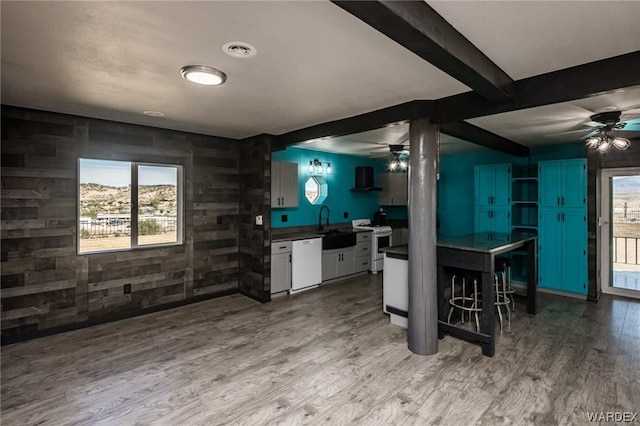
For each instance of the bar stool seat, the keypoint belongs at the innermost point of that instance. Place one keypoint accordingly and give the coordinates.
(465, 303)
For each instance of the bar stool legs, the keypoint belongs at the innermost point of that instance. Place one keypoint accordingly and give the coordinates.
(465, 303)
(501, 297)
(504, 265)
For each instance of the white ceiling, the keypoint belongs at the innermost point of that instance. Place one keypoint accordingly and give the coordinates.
(315, 63)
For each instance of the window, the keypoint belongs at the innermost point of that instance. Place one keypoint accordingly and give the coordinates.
(125, 205)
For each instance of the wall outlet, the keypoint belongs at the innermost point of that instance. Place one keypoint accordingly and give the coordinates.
(259, 219)
(126, 288)
(284, 218)
(345, 215)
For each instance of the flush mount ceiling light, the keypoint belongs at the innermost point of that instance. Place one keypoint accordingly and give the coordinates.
(239, 49)
(203, 74)
(153, 113)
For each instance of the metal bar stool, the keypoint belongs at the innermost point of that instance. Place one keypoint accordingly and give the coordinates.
(469, 304)
(504, 264)
(502, 298)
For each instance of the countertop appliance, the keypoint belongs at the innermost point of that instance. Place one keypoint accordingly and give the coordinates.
(381, 239)
(306, 264)
(379, 218)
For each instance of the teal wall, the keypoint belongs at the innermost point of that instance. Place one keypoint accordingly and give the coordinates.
(455, 188)
(340, 199)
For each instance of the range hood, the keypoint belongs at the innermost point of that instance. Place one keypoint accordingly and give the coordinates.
(364, 179)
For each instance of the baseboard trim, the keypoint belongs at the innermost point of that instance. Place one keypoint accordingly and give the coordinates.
(8, 340)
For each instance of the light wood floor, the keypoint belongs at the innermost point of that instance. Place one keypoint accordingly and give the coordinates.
(328, 356)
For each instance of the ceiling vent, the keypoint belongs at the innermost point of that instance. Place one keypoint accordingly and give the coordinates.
(239, 49)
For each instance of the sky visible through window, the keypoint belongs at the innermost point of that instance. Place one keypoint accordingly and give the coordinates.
(118, 173)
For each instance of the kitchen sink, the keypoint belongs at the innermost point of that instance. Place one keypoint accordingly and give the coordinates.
(335, 238)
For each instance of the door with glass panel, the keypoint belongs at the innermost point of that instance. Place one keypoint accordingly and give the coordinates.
(620, 231)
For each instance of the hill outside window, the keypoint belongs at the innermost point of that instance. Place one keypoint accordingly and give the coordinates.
(125, 205)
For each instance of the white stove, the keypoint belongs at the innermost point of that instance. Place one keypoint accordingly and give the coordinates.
(366, 224)
(381, 239)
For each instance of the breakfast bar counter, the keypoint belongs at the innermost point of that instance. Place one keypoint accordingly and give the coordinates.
(476, 253)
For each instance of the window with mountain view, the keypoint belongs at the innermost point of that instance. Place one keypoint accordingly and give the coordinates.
(125, 205)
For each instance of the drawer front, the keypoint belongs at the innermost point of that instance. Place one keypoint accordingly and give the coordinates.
(363, 263)
(363, 236)
(363, 249)
(281, 247)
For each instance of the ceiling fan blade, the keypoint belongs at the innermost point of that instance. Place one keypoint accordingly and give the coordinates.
(375, 154)
(588, 135)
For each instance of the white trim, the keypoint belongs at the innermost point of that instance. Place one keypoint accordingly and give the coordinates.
(605, 239)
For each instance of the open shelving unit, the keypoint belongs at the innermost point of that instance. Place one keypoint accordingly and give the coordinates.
(524, 214)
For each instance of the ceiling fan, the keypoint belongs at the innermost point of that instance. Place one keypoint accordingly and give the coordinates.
(602, 139)
(398, 154)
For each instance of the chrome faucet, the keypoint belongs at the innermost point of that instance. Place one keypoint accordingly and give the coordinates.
(320, 217)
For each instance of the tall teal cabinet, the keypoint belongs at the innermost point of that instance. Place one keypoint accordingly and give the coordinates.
(562, 217)
(492, 198)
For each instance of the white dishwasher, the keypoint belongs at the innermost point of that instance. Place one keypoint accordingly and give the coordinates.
(306, 264)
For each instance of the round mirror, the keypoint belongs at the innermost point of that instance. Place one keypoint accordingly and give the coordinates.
(316, 190)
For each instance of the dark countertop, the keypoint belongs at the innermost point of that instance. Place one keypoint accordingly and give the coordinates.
(486, 242)
(400, 251)
(294, 236)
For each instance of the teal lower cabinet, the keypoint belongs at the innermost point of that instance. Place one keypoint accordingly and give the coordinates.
(492, 219)
(562, 249)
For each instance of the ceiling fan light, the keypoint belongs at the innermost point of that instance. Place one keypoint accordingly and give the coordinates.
(604, 145)
(593, 142)
(621, 143)
(403, 164)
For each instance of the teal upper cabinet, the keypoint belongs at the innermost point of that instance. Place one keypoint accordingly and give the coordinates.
(493, 185)
(563, 183)
(492, 219)
(562, 242)
(492, 189)
(284, 184)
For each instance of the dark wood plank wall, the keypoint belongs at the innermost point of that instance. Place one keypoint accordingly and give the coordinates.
(45, 283)
(596, 162)
(255, 199)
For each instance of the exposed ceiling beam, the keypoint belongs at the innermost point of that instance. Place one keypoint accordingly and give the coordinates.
(420, 29)
(582, 81)
(478, 136)
(356, 124)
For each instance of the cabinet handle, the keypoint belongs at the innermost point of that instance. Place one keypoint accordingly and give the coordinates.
(282, 247)
(289, 258)
(558, 200)
(558, 217)
(283, 201)
(563, 217)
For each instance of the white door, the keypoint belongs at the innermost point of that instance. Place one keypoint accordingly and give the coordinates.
(620, 231)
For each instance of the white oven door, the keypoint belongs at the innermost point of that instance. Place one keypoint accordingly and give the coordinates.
(381, 241)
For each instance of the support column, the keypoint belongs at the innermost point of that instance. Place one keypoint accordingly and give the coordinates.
(423, 303)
